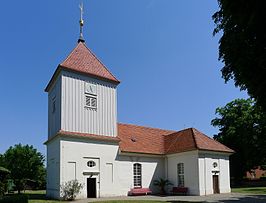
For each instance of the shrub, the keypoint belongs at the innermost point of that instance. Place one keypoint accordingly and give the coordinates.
(2, 189)
(70, 189)
(161, 183)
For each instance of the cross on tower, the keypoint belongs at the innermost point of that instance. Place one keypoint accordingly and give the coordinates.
(81, 23)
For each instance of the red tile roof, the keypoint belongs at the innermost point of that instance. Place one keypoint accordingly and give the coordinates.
(206, 143)
(139, 139)
(83, 60)
(146, 140)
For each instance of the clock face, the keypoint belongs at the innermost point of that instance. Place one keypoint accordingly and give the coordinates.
(90, 88)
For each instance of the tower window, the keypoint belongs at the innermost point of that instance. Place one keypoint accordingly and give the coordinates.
(91, 101)
(137, 175)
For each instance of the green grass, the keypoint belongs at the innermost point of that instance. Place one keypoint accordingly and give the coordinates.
(34, 196)
(141, 201)
(38, 196)
(129, 201)
(251, 190)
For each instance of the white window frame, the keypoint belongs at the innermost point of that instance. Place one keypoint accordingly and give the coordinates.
(137, 175)
(180, 175)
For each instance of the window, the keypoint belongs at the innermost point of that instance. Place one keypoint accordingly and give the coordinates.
(91, 163)
(180, 175)
(137, 174)
(91, 101)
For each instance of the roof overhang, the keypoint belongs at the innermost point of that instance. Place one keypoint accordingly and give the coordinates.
(60, 68)
(205, 151)
(84, 136)
(128, 153)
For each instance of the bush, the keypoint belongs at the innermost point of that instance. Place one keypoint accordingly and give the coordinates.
(14, 199)
(161, 183)
(70, 189)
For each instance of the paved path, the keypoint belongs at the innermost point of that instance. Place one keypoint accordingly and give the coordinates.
(221, 198)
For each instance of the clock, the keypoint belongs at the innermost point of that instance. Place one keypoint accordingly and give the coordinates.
(90, 88)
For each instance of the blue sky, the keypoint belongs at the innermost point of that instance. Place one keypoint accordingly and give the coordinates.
(162, 51)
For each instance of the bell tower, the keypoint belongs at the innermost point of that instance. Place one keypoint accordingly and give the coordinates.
(82, 94)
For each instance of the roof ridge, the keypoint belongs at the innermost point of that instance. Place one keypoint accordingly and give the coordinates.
(173, 131)
(212, 140)
(99, 61)
(164, 140)
(194, 138)
(69, 55)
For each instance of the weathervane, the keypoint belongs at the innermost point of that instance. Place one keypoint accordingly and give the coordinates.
(81, 23)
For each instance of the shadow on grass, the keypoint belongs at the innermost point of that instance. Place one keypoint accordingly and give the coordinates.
(30, 196)
(37, 196)
(255, 190)
(173, 201)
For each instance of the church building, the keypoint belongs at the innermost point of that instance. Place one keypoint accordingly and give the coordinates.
(88, 144)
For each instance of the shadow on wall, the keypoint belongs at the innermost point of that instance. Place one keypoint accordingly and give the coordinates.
(152, 169)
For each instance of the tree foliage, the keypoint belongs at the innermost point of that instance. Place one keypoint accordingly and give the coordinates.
(242, 127)
(242, 46)
(25, 163)
(3, 183)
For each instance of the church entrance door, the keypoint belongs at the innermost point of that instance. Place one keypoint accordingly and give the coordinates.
(215, 180)
(91, 187)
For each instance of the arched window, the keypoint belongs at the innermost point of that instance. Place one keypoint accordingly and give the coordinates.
(180, 175)
(137, 175)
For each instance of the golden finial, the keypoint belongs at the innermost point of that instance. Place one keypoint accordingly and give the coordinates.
(81, 23)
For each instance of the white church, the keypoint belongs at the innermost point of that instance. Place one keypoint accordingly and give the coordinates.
(86, 142)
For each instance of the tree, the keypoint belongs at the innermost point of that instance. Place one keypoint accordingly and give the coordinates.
(25, 163)
(242, 127)
(242, 46)
(161, 183)
(3, 184)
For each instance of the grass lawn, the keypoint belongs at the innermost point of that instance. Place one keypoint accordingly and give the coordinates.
(129, 201)
(37, 196)
(251, 190)
(141, 201)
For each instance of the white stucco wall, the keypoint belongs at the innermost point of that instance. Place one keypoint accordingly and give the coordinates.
(206, 169)
(53, 169)
(191, 173)
(199, 171)
(67, 160)
(77, 152)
